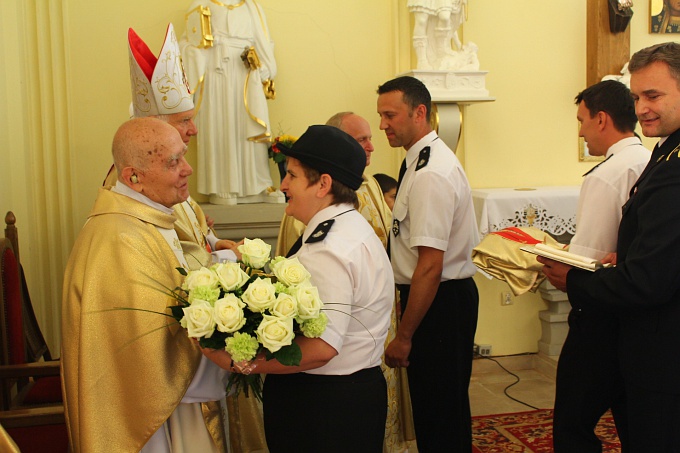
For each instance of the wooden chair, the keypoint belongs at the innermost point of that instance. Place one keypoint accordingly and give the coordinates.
(36, 346)
(31, 407)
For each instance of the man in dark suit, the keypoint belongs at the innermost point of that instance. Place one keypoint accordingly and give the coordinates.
(644, 287)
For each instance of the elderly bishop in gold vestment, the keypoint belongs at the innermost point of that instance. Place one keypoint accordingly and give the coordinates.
(132, 379)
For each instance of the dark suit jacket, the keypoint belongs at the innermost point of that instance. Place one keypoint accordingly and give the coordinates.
(644, 287)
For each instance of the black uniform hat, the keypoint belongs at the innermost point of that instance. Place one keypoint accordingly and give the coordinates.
(329, 150)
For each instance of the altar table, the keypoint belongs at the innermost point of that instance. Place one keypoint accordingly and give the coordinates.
(551, 209)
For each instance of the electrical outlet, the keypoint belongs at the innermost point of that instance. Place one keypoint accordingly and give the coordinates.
(484, 350)
(506, 298)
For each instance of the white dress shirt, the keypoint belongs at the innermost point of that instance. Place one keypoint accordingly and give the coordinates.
(434, 209)
(353, 274)
(603, 192)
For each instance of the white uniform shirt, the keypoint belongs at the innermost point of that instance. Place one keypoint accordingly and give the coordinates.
(603, 192)
(353, 274)
(434, 209)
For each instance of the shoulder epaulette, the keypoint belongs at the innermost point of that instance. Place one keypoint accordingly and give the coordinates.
(593, 169)
(320, 232)
(423, 158)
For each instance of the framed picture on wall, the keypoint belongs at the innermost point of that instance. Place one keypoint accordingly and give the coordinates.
(584, 155)
(664, 16)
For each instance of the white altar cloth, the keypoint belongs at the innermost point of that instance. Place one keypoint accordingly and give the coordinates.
(551, 209)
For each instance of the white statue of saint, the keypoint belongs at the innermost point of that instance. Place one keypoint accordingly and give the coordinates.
(435, 35)
(231, 68)
(624, 78)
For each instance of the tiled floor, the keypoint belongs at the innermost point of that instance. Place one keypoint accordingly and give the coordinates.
(535, 387)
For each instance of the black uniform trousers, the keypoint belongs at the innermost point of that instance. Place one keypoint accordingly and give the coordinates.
(589, 382)
(644, 290)
(308, 413)
(440, 368)
(655, 415)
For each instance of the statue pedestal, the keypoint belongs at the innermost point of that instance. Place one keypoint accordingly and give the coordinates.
(554, 325)
(260, 220)
(449, 90)
(268, 196)
(461, 87)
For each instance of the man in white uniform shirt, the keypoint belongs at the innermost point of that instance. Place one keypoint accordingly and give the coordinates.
(588, 375)
(339, 378)
(434, 230)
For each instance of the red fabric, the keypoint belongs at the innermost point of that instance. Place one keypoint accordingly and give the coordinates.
(143, 55)
(45, 390)
(15, 327)
(38, 439)
(516, 235)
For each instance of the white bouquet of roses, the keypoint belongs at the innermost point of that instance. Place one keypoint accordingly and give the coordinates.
(245, 308)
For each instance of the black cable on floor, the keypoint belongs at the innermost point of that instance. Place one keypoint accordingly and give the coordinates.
(505, 390)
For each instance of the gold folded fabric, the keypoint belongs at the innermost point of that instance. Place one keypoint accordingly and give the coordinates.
(7, 443)
(499, 255)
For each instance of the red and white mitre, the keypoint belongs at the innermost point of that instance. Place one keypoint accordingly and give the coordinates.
(159, 85)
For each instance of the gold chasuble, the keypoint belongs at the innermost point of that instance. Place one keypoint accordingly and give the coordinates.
(123, 371)
(7, 444)
(499, 254)
(191, 228)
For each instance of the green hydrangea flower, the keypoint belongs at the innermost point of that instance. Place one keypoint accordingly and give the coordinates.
(281, 288)
(242, 347)
(276, 260)
(206, 293)
(313, 328)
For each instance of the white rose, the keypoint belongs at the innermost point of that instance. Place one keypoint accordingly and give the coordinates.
(200, 277)
(260, 294)
(290, 271)
(275, 333)
(309, 303)
(285, 306)
(198, 319)
(255, 253)
(228, 313)
(230, 275)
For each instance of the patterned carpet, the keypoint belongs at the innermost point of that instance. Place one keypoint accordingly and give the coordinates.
(529, 432)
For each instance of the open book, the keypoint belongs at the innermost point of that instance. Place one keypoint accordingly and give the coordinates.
(565, 257)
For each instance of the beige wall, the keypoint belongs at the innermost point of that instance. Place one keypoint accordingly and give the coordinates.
(529, 135)
(65, 90)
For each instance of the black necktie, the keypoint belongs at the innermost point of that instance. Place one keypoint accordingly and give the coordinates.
(296, 246)
(402, 170)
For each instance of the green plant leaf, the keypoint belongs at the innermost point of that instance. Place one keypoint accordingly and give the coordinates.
(177, 312)
(216, 341)
(288, 355)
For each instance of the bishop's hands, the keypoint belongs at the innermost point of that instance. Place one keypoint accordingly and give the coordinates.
(226, 244)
